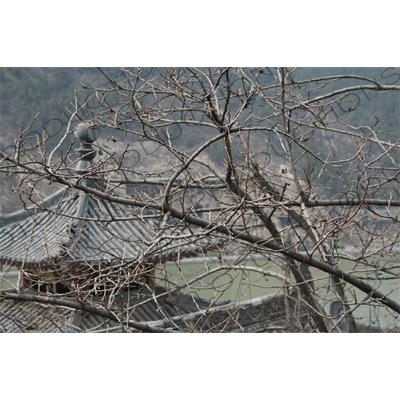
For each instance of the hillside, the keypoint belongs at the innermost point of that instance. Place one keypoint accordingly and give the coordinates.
(24, 92)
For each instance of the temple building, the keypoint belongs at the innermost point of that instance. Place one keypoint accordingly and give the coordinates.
(76, 240)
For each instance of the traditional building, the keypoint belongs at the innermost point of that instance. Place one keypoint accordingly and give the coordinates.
(77, 241)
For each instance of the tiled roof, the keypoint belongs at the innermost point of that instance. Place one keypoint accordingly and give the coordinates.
(75, 226)
(175, 312)
(33, 236)
(78, 227)
(30, 316)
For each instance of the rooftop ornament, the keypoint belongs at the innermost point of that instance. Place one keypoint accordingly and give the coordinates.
(86, 134)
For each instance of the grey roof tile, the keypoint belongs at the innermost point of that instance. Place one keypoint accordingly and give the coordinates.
(17, 317)
(106, 234)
